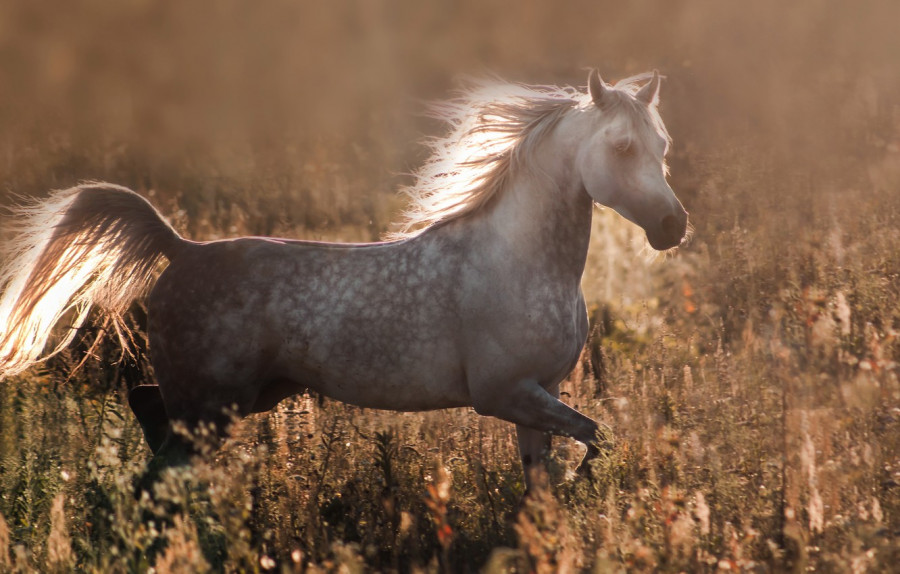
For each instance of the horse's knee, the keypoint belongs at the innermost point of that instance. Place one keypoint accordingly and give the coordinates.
(147, 404)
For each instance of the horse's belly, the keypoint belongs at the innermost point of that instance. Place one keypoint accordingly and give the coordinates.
(392, 391)
(386, 380)
(411, 396)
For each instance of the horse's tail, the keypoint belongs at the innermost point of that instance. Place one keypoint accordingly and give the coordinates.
(96, 243)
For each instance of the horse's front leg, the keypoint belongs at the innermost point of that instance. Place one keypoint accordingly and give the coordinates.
(534, 448)
(536, 410)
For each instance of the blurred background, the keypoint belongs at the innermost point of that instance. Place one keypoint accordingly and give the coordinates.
(765, 347)
(303, 116)
(303, 119)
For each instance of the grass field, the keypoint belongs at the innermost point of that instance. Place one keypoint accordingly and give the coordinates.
(751, 379)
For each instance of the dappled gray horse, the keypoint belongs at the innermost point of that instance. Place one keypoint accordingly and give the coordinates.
(477, 302)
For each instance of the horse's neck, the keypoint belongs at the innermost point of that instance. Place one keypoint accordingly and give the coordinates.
(544, 216)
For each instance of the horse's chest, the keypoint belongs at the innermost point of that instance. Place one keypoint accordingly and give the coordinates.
(563, 339)
(541, 340)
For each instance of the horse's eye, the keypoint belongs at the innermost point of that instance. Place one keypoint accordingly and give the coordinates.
(624, 148)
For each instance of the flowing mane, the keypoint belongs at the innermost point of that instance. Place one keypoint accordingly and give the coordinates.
(493, 128)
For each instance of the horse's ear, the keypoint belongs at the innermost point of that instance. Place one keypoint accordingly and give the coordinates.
(597, 89)
(649, 94)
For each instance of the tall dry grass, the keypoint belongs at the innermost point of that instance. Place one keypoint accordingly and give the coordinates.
(751, 380)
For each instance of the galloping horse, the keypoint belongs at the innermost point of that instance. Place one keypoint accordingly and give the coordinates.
(476, 302)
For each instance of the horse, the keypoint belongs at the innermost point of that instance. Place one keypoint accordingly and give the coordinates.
(475, 302)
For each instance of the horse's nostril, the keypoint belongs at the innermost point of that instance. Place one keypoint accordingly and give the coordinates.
(672, 227)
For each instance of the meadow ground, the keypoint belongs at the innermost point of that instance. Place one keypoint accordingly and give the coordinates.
(751, 379)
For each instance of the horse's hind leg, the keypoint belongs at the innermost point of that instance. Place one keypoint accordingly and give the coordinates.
(179, 443)
(147, 404)
(176, 429)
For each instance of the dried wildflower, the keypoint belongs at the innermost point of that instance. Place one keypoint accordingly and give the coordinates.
(543, 531)
(438, 497)
(701, 512)
(59, 547)
(183, 551)
(5, 562)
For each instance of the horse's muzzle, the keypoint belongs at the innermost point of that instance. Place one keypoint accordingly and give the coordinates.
(672, 230)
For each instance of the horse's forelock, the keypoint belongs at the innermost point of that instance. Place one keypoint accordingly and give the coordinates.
(642, 115)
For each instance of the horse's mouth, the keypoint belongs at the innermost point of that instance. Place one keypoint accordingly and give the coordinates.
(666, 244)
(672, 232)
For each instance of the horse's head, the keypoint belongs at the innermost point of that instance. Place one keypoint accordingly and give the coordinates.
(622, 161)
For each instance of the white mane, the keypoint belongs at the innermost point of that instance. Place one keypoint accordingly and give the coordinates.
(493, 128)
